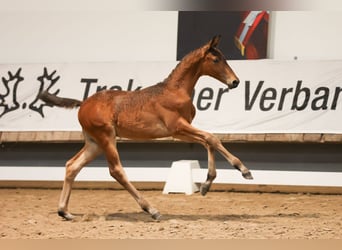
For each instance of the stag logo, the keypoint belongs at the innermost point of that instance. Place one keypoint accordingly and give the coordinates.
(9, 99)
(46, 82)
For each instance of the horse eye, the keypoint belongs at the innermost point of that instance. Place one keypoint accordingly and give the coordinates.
(216, 60)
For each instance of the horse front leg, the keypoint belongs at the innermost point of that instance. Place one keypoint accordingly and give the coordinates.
(232, 159)
(188, 133)
(211, 171)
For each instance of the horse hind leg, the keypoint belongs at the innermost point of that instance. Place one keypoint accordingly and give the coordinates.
(117, 172)
(73, 166)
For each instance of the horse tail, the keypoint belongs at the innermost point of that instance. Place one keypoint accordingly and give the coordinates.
(54, 100)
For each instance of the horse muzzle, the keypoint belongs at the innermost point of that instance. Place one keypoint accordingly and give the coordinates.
(234, 84)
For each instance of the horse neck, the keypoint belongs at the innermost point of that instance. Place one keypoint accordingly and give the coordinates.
(185, 75)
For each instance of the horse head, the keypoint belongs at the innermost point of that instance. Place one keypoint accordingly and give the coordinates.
(215, 64)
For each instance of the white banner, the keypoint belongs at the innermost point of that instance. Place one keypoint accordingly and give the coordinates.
(273, 96)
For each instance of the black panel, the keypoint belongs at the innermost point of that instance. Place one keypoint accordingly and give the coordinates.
(195, 28)
(263, 156)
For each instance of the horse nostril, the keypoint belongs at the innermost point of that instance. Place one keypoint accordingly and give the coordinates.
(235, 83)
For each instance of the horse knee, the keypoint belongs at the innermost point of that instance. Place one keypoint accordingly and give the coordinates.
(213, 141)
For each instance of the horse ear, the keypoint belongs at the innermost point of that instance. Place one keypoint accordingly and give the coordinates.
(214, 41)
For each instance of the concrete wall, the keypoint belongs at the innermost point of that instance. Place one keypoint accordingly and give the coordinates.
(305, 35)
(68, 33)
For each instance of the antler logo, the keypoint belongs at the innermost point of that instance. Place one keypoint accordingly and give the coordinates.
(46, 82)
(9, 99)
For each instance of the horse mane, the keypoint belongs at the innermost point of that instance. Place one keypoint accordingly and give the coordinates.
(187, 62)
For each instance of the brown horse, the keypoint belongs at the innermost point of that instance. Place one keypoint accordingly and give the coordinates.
(161, 110)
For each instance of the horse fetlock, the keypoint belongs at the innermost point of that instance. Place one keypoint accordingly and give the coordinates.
(244, 171)
(247, 175)
(156, 216)
(237, 164)
(204, 188)
(153, 212)
(65, 215)
(211, 177)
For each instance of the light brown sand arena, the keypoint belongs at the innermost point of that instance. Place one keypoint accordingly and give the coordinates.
(113, 214)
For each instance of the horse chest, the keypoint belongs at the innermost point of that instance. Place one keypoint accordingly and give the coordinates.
(177, 109)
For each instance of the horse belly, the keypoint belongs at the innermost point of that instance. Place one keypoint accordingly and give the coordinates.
(140, 127)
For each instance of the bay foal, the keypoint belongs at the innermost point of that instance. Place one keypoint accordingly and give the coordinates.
(161, 110)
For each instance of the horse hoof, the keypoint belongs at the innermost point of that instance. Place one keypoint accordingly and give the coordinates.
(204, 189)
(66, 216)
(247, 175)
(156, 216)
